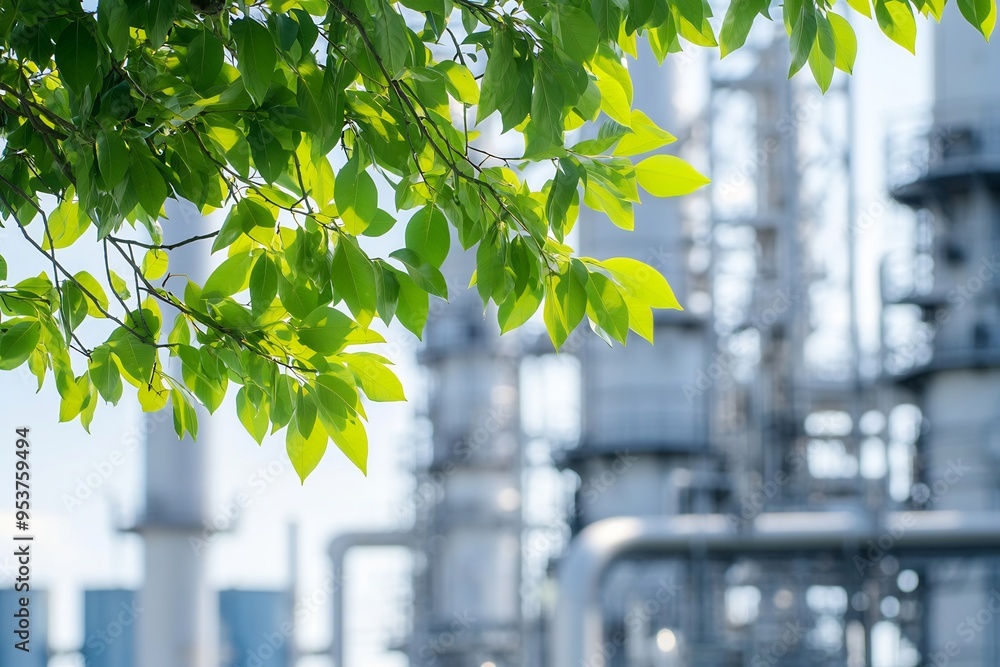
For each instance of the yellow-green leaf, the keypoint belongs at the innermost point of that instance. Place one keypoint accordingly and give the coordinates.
(154, 264)
(373, 374)
(668, 176)
(641, 281)
(846, 42)
(895, 18)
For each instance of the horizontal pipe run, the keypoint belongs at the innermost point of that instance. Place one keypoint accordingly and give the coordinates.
(578, 621)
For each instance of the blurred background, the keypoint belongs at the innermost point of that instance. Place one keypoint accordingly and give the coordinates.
(802, 471)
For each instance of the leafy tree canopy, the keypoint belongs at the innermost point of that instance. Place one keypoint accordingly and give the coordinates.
(109, 109)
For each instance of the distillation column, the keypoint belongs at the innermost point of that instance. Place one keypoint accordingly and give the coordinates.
(467, 609)
(958, 391)
(177, 626)
(643, 449)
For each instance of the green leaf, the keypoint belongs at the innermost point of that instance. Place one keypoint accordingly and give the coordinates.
(252, 410)
(373, 375)
(184, 414)
(152, 398)
(500, 79)
(256, 57)
(386, 293)
(982, 14)
(427, 234)
(298, 298)
(693, 11)
(895, 18)
(668, 176)
(846, 42)
(66, 224)
(490, 275)
(136, 357)
(391, 41)
(354, 279)
(159, 19)
(269, 156)
(263, 284)
(736, 25)
(230, 277)
(562, 195)
(337, 392)
(3, 269)
(326, 330)
(305, 440)
(460, 82)
(700, 34)
(253, 214)
(517, 310)
(608, 17)
(823, 53)
(575, 31)
(112, 19)
(89, 406)
(93, 292)
(565, 301)
(203, 375)
(646, 136)
(546, 111)
(244, 218)
(206, 55)
(933, 8)
(18, 342)
(180, 334)
(641, 281)
(154, 264)
(356, 197)
(413, 304)
(863, 7)
(119, 285)
(606, 307)
(112, 158)
(74, 395)
(148, 182)
(352, 439)
(426, 276)
(616, 87)
(800, 15)
(232, 228)
(72, 306)
(619, 210)
(640, 317)
(105, 375)
(77, 56)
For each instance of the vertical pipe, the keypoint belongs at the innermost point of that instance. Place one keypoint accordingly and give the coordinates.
(178, 626)
(339, 548)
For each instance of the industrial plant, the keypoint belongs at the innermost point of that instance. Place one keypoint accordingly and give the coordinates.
(756, 489)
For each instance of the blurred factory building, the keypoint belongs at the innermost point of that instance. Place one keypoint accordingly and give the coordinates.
(751, 491)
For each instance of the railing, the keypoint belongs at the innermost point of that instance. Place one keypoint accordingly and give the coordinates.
(922, 148)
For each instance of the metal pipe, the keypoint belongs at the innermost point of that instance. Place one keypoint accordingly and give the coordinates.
(340, 546)
(577, 636)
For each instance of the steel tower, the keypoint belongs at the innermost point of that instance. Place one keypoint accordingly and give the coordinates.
(948, 170)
